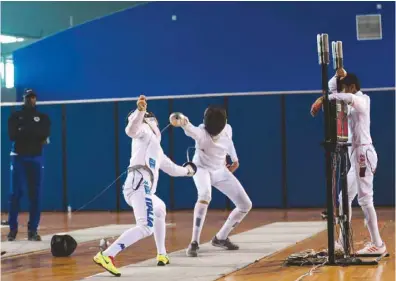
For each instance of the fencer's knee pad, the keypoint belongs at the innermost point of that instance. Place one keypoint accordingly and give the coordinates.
(204, 197)
(146, 229)
(160, 210)
(245, 206)
(366, 201)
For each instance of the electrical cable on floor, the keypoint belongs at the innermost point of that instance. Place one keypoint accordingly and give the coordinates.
(311, 271)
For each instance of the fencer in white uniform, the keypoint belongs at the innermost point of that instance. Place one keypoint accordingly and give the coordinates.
(362, 154)
(147, 158)
(213, 142)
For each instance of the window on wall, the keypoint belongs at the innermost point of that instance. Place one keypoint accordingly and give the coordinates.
(9, 70)
(7, 73)
(2, 72)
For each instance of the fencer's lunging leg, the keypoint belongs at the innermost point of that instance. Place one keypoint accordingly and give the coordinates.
(228, 184)
(159, 224)
(142, 205)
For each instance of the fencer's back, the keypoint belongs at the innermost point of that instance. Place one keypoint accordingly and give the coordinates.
(359, 123)
(211, 153)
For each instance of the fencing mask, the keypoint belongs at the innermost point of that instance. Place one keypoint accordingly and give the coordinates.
(149, 119)
(62, 245)
(215, 119)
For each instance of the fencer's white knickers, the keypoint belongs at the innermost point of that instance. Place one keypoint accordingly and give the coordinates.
(147, 207)
(225, 182)
(361, 174)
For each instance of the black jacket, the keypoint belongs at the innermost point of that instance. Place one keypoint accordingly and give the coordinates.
(29, 130)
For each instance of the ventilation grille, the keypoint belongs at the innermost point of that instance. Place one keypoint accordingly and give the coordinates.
(369, 27)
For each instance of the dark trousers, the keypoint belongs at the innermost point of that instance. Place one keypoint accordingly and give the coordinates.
(26, 171)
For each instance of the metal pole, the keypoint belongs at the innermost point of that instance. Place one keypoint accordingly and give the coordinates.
(324, 59)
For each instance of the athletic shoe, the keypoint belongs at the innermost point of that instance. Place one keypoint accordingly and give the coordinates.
(371, 250)
(12, 235)
(162, 260)
(107, 263)
(225, 244)
(33, 236)
(192, 250)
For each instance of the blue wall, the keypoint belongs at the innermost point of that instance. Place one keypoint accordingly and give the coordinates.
(211, 47)
(256, 120)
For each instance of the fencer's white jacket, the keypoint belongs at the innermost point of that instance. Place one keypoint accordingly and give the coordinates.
(147, 150)
(210, 153)
(358, 114)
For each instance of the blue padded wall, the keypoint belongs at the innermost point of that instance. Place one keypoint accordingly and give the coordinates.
(257, 134)
(383, 135)
(5, 157)
(185, 190)
(257, 137)
(90, 155)
(305, 156)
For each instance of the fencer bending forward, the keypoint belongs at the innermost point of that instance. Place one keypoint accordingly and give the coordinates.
(213, 142)
(147, 158)
(362, 154)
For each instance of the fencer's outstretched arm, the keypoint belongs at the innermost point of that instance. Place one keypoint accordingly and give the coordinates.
(172, 169)
(192, 131)
(135, 121)
(360, 103)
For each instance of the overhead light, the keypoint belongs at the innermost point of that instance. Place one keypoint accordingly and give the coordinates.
(5, 39)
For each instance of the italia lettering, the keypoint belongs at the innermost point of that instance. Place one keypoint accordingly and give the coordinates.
(150, 212)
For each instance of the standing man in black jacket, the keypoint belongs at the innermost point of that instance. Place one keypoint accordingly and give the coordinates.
(29, 130)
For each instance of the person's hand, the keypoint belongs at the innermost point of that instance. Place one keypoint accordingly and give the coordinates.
(316, 106)
(233, 166)
(191, 168)
(142, 103)
(178, 119)
(341, 73)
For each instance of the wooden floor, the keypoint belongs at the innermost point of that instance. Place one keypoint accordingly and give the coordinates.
(42, 266)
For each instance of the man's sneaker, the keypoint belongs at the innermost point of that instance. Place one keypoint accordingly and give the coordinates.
(371, 250)
(33, 236)
(162, 260)
(225, 244)
(12, 235)
(192, 250)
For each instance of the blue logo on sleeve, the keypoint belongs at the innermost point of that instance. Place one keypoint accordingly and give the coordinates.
(152, 163)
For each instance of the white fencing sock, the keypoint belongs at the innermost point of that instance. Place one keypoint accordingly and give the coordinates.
(200, 211)
(372, 225)
(126, 239)
(233, 220)
(159, 235)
